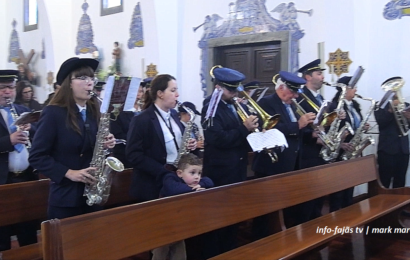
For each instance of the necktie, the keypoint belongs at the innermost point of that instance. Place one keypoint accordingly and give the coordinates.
(290, 112)
(232, 108)
(319, 98)
(355, 118)
(13, 128)
(83, 114)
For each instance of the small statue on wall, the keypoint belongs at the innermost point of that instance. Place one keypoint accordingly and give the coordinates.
(116, 55)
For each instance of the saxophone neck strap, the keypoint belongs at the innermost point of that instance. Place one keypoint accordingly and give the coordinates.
(169, 126)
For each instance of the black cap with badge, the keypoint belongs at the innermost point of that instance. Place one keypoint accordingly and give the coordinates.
(226, 77)
(292, 81)
(8, 75)
(311, 66)
(72, 64)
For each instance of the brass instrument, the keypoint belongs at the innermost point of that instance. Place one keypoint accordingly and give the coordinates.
(186, 135)
(327, 117)
(337, 136)
(395, 84)
(99, 192)
(15, 116)
(270, 121)
(358, 142)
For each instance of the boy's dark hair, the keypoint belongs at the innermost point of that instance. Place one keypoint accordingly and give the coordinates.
(187, 160)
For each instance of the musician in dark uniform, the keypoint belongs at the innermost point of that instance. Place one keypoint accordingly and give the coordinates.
(63, 146)
(119, 125)
(354, 117)
(226, 147)
(292, 126)
(393, 147)
(154, 139)
(14, 166)
(51, 95)
(311, 146)
(185, 118)
(98, 88)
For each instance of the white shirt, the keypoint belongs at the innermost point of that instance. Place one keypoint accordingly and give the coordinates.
(314, 93)
(18, 162)
(172, 152)
(80, 108)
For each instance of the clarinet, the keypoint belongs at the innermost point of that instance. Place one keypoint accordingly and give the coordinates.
(15, 116)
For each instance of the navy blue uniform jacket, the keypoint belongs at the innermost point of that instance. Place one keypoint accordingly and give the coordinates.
(288, 159)
(173, 185)
(226, 148)
(389, 140)
(5, 143)
(147, 154)
(56, 148)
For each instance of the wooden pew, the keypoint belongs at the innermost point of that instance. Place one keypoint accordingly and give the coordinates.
(137, 228)
(28, 201)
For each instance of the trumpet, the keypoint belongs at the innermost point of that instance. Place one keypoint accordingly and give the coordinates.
(244, 115)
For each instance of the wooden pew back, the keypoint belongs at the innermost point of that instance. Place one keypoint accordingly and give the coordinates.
(137, 228)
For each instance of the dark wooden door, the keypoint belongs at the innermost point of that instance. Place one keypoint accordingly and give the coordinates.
(258, 62)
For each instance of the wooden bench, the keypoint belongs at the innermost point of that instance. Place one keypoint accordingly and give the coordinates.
(137, 228)
(28, 201)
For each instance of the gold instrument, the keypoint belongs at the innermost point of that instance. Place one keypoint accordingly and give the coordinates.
(244, 115)
(327, 117)
(358, 142)
(99, 192)
(394, 85)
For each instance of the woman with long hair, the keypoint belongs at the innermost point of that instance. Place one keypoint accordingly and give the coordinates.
(63, 146)
(154, 138)
(25, 96)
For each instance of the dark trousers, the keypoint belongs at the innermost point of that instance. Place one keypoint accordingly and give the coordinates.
(66, 212)
(392, 167)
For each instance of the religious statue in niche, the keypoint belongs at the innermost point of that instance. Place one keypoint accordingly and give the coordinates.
(396, 9)
(136, 31)
(85, 35)
(14, 45)
(339, 62)
(116, 55)
(250, 17)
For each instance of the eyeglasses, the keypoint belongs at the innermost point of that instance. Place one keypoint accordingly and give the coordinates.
(87, 79)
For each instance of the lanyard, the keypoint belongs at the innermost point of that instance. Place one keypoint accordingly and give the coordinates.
(169, 127)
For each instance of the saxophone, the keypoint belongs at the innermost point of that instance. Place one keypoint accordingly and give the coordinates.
(99, 192)
(187, 134)
(330, 153)
(358, 142)
(15, 116)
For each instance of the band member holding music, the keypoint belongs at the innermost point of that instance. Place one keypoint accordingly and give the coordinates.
(155, 138)
(119, 125)
(354, 117)
(393, 146)
(63, 146)
(25, 96)
(14, 165)
(292, 126)
(226, 147)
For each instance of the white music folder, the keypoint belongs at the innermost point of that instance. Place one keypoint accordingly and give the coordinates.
(265, 140)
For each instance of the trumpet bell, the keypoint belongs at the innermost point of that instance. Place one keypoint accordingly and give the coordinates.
(271, 121)
(328, 119)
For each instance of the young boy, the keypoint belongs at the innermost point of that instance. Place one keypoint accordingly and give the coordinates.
(187, 179)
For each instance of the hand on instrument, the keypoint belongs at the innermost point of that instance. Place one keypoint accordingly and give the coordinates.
(200, 143)
(82, 175)
(109, 141)
(347, 147)
(18, 137)
(251, 123)
(306, 119)
(342, 114)
(191, 144)
(406, 114)
(366, 127)
(25, 127)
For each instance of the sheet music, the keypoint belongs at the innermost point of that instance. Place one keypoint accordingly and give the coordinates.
(322, 110)
(120, 93)
(109, 86)
(132, 94)
(269, 139)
